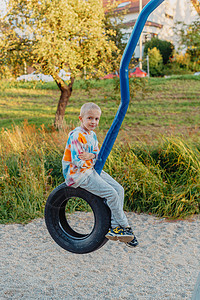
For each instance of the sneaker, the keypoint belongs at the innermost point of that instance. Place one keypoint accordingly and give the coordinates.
(132, 243)
(119, 233)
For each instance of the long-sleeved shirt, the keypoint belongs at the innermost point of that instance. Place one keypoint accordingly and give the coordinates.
(74, 169)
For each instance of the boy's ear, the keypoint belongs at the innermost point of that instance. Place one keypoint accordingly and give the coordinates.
(80, 118)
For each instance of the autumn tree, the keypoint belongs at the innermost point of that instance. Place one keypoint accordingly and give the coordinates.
(14, 48)
(114, 22)
(57, 34)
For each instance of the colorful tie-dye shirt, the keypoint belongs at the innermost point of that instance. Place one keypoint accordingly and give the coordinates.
(74, 169)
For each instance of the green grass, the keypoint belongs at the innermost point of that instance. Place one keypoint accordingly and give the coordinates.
(157, 160)
(162, 106)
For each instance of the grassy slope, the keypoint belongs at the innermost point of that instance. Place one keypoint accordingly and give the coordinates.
(162, 106)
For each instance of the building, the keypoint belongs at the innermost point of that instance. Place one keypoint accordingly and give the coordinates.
(161, 22)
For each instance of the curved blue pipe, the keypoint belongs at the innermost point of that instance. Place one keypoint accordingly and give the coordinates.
(124, 84)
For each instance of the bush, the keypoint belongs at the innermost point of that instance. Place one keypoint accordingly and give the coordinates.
(183, 60)
(155, 62)
(165, 48)
(181, 64)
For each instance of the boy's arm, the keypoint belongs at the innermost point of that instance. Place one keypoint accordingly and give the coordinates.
(95, 149)
(79, 157)
(87, 156)
(76, 150)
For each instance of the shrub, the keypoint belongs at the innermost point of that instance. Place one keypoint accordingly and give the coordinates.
(165, 48)
(181, 64)
(183, 59)
(155, 62)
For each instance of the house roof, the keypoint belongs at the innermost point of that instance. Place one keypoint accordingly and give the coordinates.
(131, 5)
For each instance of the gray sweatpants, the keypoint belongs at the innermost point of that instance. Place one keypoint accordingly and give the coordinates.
(105, 186)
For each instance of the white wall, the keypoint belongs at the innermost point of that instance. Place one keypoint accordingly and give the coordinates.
(180, 10)
(167, 14)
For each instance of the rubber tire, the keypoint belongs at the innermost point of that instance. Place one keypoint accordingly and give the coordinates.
(60, 229)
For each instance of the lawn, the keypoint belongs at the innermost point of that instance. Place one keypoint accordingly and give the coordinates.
(156, 158)
(166, 106)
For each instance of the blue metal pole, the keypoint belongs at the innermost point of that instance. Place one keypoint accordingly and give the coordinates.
(124, 84)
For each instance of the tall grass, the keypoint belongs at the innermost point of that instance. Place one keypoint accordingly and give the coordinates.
(162, 179)
(26, 178)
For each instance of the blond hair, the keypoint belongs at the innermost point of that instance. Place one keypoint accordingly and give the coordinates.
(89, 106)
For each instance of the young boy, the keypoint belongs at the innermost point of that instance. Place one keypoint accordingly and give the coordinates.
(78, 162)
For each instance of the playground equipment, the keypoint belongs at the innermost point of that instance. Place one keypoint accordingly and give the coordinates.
(55, 217)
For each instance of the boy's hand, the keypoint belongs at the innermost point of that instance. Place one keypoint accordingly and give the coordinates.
(86, 156)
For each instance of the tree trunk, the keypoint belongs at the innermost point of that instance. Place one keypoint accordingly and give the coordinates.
(66, 91)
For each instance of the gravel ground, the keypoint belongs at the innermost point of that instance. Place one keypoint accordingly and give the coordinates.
(165, 265)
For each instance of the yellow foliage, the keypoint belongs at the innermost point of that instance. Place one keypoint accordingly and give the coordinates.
(183, 59)
(55, 34)
(155, 56)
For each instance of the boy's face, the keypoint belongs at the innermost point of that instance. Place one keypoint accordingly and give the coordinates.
(90, 120)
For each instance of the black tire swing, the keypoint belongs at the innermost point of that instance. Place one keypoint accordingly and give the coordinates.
(60, 229)
(55, 209)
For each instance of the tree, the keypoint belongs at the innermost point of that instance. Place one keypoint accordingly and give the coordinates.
(14, 48)
(114, 23)
(165, 48)
(57, 34)
(189, 39)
